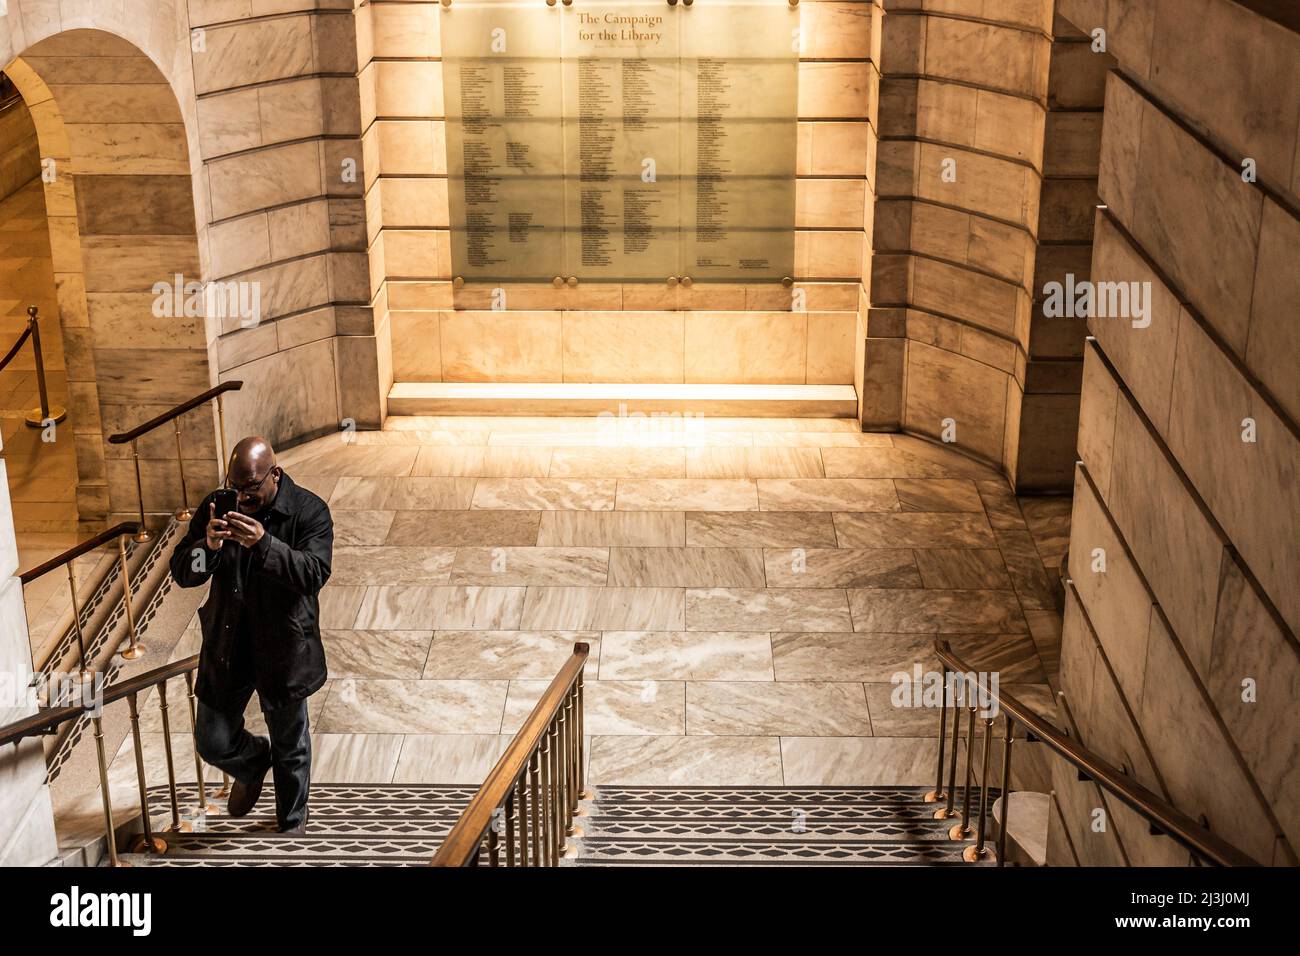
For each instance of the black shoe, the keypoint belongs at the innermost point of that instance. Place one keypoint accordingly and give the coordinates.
(243, 796)
(301, 828)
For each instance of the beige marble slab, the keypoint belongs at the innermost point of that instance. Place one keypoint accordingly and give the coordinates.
(362, 653)
(507, 655)
(840, 568)
(425, 436)
(895, 713)
(821, 440)
(524, 566)
(897, 463)
(768, 609)
(750, 708)
(448, 758)
(335, 458)
(339, 604)
(618, 463)
(846, 656)
(483, 461)
(391, 565)
(932, 611)
(639, 529)
(397, 494)
(859, 761)
(610, 707)
(320, 485)
(686, 761)
(686, 567)
(415, 707)
(694, 494)
(753, 463)
(686, 655)
(1013, 657)
(545, 494)
(913, 530)
(827, 494)
(937, 494)
(361, 527)
(604, 609)
(962, 568)
(411, 607)
(459, 529)
(765, 529)
(354, 758)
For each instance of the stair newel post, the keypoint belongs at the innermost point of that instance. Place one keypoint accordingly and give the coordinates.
(198, 760)
(937, 794)
(83, 672)
(176, 826)
(134, 650)
(1006, 789)
(521, 803)
(109, 836)
(141, 535)
(961, 831)
(535, 805)
(184, 514)
(148, 841)
(509, 823)
(978, 851)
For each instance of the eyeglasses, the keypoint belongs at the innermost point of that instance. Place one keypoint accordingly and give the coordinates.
(251, 487)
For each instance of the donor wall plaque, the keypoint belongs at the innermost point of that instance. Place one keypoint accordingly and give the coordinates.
(621, 140)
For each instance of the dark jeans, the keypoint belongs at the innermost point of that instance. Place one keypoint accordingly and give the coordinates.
(224, 743)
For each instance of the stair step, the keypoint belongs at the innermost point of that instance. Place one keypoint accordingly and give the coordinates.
(596, 852)
(776, 830)
(574, 398)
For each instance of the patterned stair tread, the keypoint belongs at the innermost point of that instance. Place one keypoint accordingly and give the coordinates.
(908, 812)
(596, 851)
(603, 828)
(344, 794)
(793, 796)
(254, 826)
(388, 845)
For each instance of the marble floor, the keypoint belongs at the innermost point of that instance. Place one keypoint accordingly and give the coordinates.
(748, 588)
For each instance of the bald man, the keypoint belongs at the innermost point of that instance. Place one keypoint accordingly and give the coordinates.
(267, 562)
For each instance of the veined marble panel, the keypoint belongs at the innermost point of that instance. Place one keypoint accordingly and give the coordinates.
(611, 707)
(746, 708)
(686, 655)
(464, 528)
(400, 494)
(841, 568)
(376, 565)
(544, 494)
(523, 566)
(827, 494)
(357, 653)
(767, 609)
(637, 529)
(692, 494)
(914, 530)
(605, 609)
(960, 568)
(850, 656)
(753, 463)
(858, 761)
(933, 611)
(686, 567)
(686, 761)
(415, 706)
(406, 607)
(766, 529)
(506, 655)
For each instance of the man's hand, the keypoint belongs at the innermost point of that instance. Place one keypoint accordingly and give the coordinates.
(217, 531)
(243, 529)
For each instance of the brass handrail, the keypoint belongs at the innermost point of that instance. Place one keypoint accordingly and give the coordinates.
(42, 415)
(77, 550)
(49, 719)
(1158, 812)
(173, 415)
(541, 771)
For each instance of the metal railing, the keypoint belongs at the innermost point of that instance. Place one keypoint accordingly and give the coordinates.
(43, 414)
(49, 719)
(1161, 815)
(173, 415)
(529, 800)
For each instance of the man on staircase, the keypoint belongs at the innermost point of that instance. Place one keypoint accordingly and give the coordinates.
(267, 560)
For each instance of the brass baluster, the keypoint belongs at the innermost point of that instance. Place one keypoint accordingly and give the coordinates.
(493, 849)
(937, 794)
(225, 785)
(575, 755)
(84, 674)
(148, 841)
(1006, 790)
(535, 804)
(184, 514)
(555, 795)
(521, 803)
(567, 803)
(961, 831)
(979, 851)
(176, 826)
(135, 649)
(548, 818)
(143, 533)
(948, 811)
(582, 742)
(109, 836)
(198, 760)
(510, 829)
(221, 437)
(37, 417)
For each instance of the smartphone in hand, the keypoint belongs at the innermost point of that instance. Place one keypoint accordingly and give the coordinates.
(226, 499)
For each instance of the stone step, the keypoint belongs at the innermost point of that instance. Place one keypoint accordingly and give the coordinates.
(575, 398)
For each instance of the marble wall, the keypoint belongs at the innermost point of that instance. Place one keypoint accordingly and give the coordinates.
(20, 160)
(607, 331)
(1179, 655)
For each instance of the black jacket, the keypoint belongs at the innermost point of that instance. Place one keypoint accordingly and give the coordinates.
(261, 621)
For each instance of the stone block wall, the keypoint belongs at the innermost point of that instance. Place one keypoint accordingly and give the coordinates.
(20, 159)
(602, 331)
(1179, 655)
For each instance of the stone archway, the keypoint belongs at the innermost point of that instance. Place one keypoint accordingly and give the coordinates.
(121, 207)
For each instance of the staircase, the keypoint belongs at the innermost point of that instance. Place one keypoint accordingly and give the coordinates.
(402, 825)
